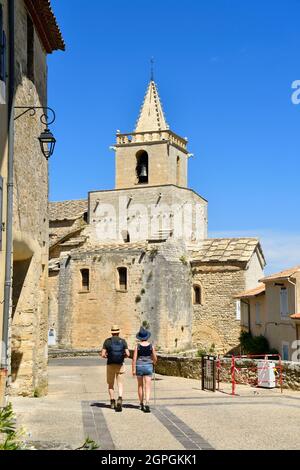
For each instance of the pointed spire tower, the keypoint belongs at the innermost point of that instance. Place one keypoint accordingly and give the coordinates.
(151, 116)
(152, 155)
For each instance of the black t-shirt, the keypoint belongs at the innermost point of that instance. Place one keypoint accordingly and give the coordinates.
(107, 346)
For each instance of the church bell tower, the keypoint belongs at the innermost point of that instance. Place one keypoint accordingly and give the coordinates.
(152, 155)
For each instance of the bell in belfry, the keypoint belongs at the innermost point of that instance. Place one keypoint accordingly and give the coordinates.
(143, 171)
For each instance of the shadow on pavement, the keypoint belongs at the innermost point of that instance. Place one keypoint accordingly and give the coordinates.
(105, 405)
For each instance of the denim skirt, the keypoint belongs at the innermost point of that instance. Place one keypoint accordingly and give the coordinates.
(144, 369)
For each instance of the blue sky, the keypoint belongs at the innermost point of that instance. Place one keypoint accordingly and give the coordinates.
(224, 70)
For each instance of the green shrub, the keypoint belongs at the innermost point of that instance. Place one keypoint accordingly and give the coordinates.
(254, 344)
(183, 260)
(201, 352)
(37, 393)
(146, 325)
(204, 352)
(9, 437)
(89, 444)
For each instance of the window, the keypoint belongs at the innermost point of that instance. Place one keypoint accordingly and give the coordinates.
(85, 279)
(285, 351)
(122, 281)
(30, 49)
(257, 314)
(1, 211)
(284, 308)
(197, 300)
(142, 167)
(126, 236)
(238, 310)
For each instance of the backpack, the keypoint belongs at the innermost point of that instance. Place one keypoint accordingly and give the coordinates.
(116, 351)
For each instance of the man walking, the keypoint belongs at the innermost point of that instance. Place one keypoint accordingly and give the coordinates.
(115, 350)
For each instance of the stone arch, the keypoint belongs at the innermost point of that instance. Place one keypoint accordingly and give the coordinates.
(205, 336)
(142, 167)
(197, 294)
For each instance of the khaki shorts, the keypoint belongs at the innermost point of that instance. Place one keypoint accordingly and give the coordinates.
(114, 372)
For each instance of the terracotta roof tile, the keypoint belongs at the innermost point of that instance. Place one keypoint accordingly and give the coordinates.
(46, 24)
(67, 210)
(225, 249)
(282, 274)
(260, 289)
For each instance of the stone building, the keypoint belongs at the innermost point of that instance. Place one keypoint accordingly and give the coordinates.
(140, 253)
(272, 309)
(4, 118)
(33, 34)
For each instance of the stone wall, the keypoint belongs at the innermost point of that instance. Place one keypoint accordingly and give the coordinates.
(146, 211)
(215, 320)
(254, 271)
(162, 164)
(158, 292)
(63, 228)
(53, 300)
(3, 189)
(179, 366)
(30, 224)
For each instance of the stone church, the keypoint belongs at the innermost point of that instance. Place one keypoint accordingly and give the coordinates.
(140, 253)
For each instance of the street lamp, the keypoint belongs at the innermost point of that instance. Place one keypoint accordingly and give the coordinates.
(46, 139)
(47, 143)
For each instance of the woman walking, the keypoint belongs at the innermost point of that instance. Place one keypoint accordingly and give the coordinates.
(144, 358)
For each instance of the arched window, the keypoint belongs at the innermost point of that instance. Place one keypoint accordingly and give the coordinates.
(142, 171)
(197, 295)
(122, 279)
(178, 171)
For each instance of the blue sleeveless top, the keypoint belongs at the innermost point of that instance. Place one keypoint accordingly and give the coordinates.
(144, 354)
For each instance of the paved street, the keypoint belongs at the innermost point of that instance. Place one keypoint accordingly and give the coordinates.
(184, 418)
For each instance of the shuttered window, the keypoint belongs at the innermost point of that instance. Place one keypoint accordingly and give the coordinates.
(285, 351)
(284, 307)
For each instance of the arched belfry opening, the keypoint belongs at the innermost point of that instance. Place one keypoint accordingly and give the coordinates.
(142, 167)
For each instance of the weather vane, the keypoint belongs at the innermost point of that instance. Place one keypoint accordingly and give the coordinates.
(152, 69)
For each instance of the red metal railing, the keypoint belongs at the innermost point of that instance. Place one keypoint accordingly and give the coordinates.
(237, 375)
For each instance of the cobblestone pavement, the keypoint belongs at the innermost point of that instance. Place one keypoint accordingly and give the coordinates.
(184, 417)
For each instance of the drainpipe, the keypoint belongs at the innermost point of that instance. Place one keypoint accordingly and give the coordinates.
(296, 306)
(10, 179)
